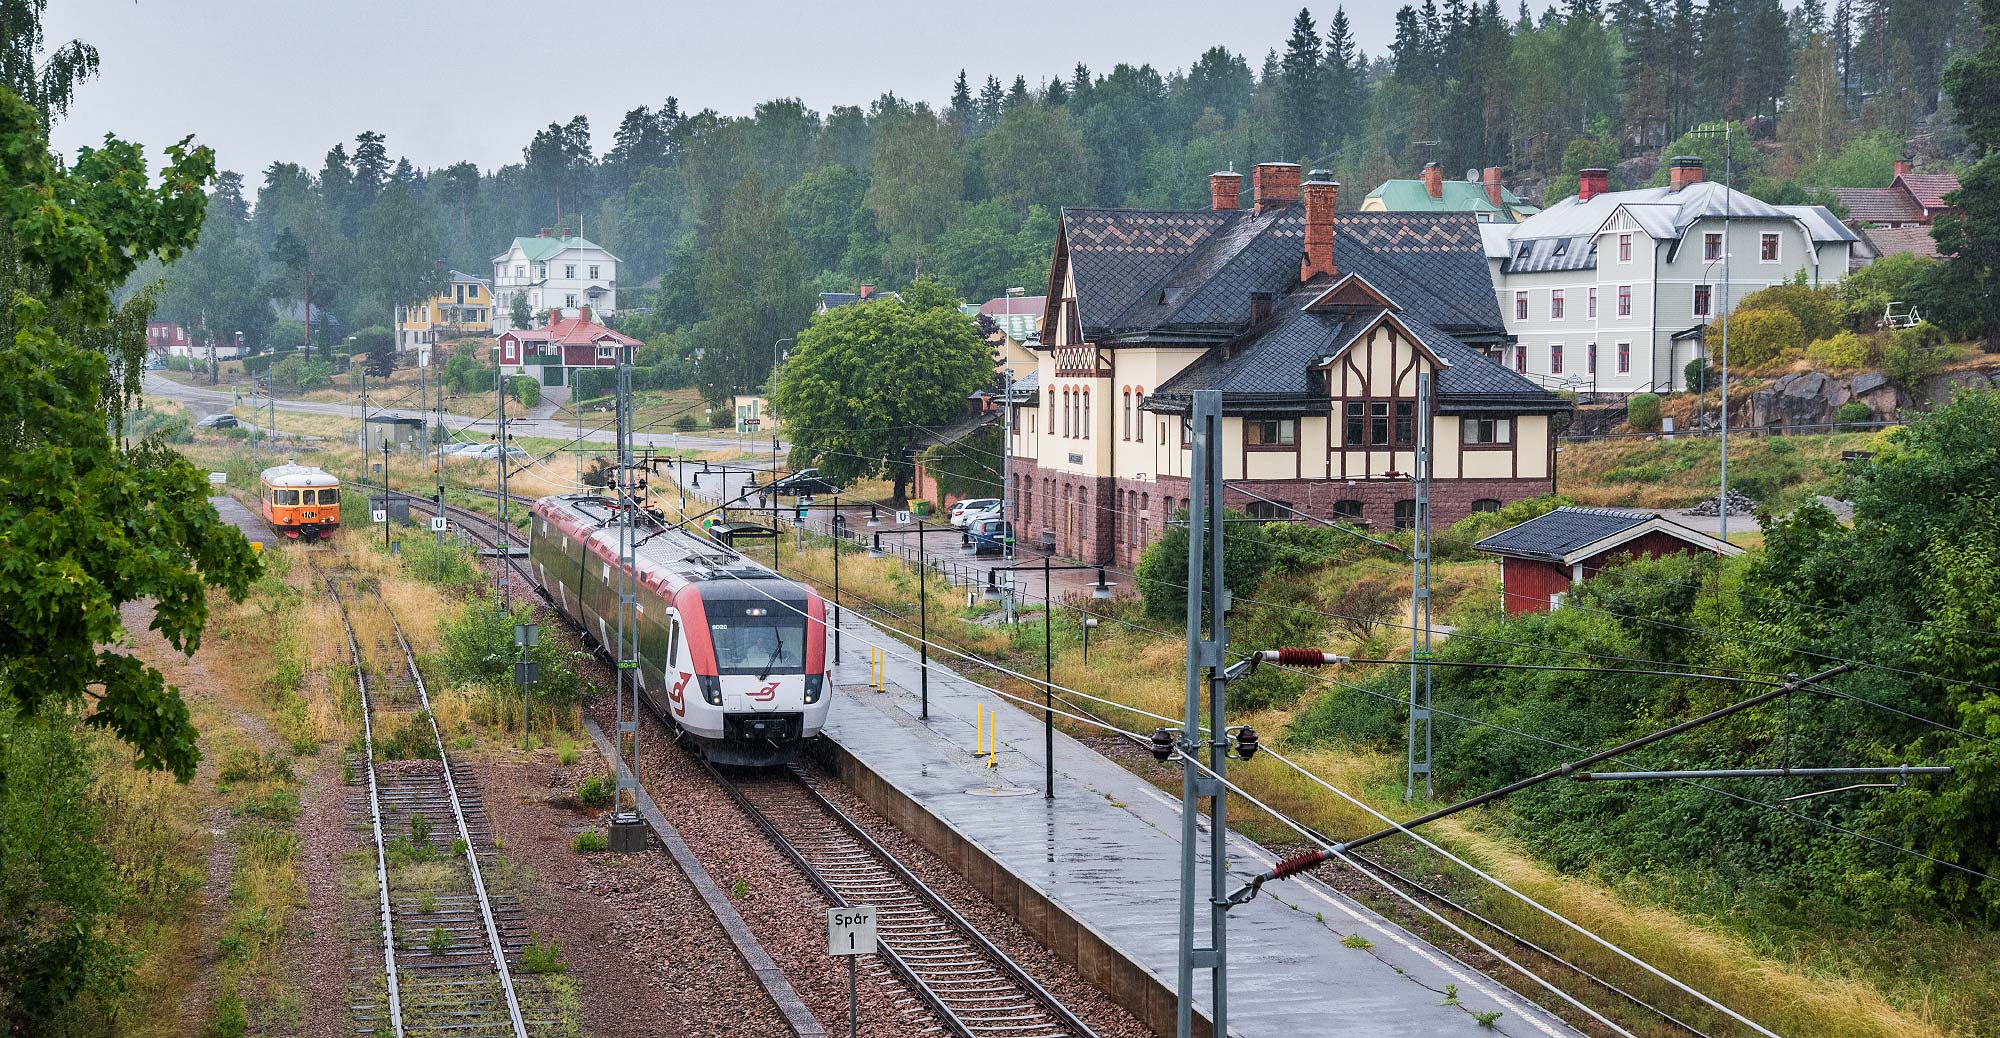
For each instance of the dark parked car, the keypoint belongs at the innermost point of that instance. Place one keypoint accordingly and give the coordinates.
(218, 421)
(991, 536)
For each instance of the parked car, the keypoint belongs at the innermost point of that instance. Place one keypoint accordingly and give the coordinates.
(491, 451)
(991, 536)
(962, 510)
(218, 421)
(454, 450)
(973, 518)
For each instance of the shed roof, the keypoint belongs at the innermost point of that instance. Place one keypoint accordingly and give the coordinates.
(1411, 196)
(1889, 241)
(1879, 205)
(1929, 189)
(1571, 535)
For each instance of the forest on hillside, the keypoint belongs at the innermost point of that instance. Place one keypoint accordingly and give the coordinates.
(742, 218)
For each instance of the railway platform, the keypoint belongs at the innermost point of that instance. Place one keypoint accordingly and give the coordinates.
(1095, 872)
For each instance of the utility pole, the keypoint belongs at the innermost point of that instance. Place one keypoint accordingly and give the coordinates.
(628, 832)
(385, 490)
(1728, 247)
(1204, 588)
(1420, 601)
(500, 460)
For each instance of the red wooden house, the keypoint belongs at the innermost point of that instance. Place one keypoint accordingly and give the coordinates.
(561, 346)
(1542, 558)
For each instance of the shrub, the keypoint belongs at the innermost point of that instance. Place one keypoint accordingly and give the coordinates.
(286, 336)
(589, 841)
(298, 374)
(538, 957)
(1642, 412)
(1844, 350)
(685, 423)
(1162, 570)
(1817, 309)
(1698, 373)
(524, 389)
(1913, 354)
(595, 791)
(1761, 336)
(1364, 604)
(591, 383)
(720, 418)
(177, 364)
(1864, 293)
(1854, 411)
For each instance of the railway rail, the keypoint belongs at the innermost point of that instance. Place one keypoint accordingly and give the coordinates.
(964, 981)
(445, 953)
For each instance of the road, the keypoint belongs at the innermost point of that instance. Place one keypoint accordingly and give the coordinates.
(206, 401)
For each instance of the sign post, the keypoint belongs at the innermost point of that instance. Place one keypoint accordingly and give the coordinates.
(850, 932)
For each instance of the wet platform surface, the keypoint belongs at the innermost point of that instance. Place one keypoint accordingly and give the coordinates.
(1107, 850)
(239, 515)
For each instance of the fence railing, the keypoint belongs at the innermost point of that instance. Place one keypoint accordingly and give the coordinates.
(1802, 429)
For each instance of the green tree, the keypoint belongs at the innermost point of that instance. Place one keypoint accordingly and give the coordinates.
(1162, 570)
(914, 185)
(1034, 156)
(752, 287)
(1971, 236)
(518, 313)
(46, 85)
(86, 526)
(867, 381)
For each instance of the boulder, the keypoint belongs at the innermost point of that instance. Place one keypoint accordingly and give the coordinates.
(1868, 381)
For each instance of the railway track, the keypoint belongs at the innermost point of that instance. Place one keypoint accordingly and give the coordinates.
(445, 942)
(965, 983)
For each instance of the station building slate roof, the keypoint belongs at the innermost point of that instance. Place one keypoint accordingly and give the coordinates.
(1569, 534)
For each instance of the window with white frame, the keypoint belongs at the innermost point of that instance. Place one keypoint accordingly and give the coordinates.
(1520, 306)
(1485, 431)
(1704, 300)
(542, 271)
(1767, 247)
(1624, 300)
(520, 270)
(1555, 304)
(606, 350)
(593, 272)
(569, 270)
(1271, 432)
(1711, 245)
(1521, 359)
(1625, 248)
(1624, 358)
(1555, 358)
(1590, 358)
(569, 301)
(1591, 305)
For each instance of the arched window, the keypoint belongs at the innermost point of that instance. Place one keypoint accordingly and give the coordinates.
(1083, 429)
(1125, 416)
(1139, 413)
(1066, 416)
(1052, 410)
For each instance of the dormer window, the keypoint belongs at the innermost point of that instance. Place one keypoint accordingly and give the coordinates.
(1521, 256)
(1562, 246)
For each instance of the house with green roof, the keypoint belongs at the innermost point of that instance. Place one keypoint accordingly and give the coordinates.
(1485, 198)
(562, 274)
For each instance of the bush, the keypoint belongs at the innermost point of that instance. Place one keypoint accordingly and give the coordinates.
(178, 364)
(591, 383)
(286, 336)
(1844, 350)
(1162, 570)
(685, 423)
(525, 389)
(1913, 354)
(1699, 374)
(1864, 293)
(720, 418)
(1854, 411)
(1364, 604)
(589, 841)
(1817, 309)
(595, 791)
(1760, 336)
(1642, 412)
(298, 374)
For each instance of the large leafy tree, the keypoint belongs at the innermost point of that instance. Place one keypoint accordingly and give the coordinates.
(1971, 238)
(867, 381)
(85, 525)
(752, 289)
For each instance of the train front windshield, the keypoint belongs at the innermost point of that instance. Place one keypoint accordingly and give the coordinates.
(767, 639)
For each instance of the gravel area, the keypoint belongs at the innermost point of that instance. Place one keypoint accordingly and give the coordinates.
(326, 834)
(1061, 979)
(781, 907)
(643, 948)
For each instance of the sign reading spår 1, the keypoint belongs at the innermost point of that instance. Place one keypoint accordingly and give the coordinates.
(850, 930)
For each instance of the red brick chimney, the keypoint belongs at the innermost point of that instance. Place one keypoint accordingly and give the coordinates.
(1320, 198)
(583, 313)
(1224, 188)
(1686, 169)
(544, 233)
(1592, 182)
(1490, 179)
(555, 314)
(866, 291)
(1274, 184)
(1434, 179)
(1903, 167)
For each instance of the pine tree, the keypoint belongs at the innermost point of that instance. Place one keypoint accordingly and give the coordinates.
(963, 115)
(1843, 50)
(1300, 89)
(1056, 92)
(1341, 73)
(991, 97)
(1017, 95)
(1971, 236)
(1079, 83)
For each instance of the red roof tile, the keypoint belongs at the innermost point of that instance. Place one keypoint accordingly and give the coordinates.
(1879, 205)
(1929, 189)
(573, 331)
(1890, 241)
(1006, 305)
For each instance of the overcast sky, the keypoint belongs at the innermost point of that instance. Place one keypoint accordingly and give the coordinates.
(259, 80)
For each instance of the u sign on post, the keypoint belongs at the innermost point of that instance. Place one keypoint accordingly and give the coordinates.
(850, 932)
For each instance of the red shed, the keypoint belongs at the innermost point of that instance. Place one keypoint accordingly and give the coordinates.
(1542, 557)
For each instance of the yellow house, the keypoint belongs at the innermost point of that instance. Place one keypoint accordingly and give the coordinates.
(465, 307)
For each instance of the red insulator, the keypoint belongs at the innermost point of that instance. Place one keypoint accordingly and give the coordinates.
(1301, 657)
(1296, 864)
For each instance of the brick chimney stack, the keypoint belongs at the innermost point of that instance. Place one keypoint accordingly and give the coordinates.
(1686, 169)
(583, 313)
(1321, 196)
(1434, 179)
(1903, 167)
(555, 314)
(1224, 188)
(1274, 184)
(1490, 179)
(1592, 182)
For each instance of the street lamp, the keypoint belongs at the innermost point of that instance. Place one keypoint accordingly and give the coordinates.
(1099, 589)
(385, 489)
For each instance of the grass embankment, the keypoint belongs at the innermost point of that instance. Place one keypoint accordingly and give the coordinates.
(1778, 472)
(1797, 976)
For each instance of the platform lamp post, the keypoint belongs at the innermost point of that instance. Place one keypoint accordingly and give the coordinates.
(923, 609)
(1101, 589)
(385, 485)
(839, 528)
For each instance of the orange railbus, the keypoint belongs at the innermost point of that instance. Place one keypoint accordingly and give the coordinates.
(300, 502)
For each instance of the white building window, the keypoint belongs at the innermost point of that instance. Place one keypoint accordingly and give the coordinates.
(1555, 304)
(1625, 248)
(1711, 245)
(520, 270)
(1520, 306)
(1767, 247)
(606, 351)
(1555, 358)
(593, 272)
(569, 270)
(1488, 430)
(1624, 300)
(1593, 304)
(1704, 301)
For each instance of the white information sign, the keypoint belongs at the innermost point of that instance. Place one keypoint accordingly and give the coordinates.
(851, 930)
(380, 515)
(218, 478)
(902, 518)
(440, 524)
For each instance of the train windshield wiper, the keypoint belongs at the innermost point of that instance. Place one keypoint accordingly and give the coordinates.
(776, 651)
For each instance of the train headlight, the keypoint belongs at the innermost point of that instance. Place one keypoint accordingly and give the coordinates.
(814, 684)
(711, 689)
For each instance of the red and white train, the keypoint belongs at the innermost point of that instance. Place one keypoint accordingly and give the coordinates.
(730, 654)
